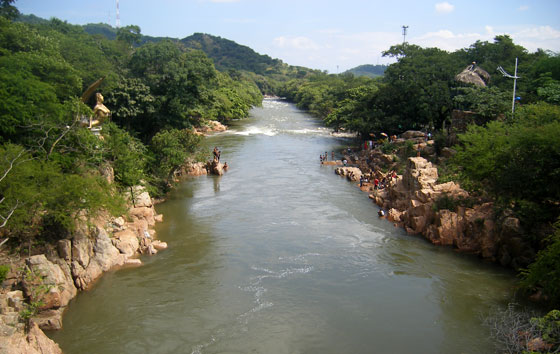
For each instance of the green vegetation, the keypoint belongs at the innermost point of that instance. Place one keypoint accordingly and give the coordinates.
(4, 269)
(544, 273)
(157, 90)
(368, 70)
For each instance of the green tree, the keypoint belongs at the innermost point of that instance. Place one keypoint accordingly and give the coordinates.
(129, 34)
(7, 10)
(171, 148)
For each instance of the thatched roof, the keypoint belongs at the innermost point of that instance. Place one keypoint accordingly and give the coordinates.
(473, 74)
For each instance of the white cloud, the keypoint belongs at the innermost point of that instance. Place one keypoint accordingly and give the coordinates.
(444, 7)
(532, 38)
(299, 43)
(523, 8)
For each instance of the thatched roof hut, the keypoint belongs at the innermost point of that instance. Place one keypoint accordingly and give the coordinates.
(473, 74)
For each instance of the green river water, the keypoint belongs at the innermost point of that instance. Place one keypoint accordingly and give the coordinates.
(280, 255)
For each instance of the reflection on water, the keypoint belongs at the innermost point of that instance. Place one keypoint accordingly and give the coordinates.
(280, 255)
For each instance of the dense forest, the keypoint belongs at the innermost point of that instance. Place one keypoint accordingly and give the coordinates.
(159, 88)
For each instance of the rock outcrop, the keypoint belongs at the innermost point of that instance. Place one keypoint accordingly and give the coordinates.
(411, 201)
(51, 280)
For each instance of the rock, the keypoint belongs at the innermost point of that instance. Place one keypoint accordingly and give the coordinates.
(215, 167)
(81, 249)
(447, 152)
(15, 300)
(158, 218)
(106, 255)
(159, 245)
(44, 273)
(40, 342)
(394, 215)
(143, 213)
(143, 200)
(133, 261)
(411, 134)
(446, 222)
(419, 174)
(64, 248)
(119, 222)
(126, 242)
(50, 320)
(193, 169)
(107, 172)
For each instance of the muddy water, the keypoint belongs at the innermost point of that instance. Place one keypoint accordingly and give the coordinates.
(280, 255)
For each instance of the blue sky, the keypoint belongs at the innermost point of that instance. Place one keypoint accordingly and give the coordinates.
(324, 34)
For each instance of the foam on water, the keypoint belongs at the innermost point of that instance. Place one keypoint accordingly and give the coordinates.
(255, 130)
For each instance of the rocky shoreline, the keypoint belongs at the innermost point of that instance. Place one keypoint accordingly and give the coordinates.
(38, 289)
(443, 213)
(48, 282)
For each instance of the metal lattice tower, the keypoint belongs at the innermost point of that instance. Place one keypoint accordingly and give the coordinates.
(404, 28)
(118, 22)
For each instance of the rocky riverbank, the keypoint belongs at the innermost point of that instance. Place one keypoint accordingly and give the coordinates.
(443, 213)
(38, 288)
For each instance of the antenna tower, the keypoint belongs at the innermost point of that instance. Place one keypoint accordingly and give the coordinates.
(404, 28)
(118, 22)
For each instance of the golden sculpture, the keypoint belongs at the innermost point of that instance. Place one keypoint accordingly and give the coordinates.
(100, 112)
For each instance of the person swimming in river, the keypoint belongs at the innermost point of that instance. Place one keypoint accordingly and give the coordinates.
(225, 166)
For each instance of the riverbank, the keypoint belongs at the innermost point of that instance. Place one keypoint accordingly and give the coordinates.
(38, 288)
(443, 213)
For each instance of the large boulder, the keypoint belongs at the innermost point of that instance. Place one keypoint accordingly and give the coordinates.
(126, 242)
(419, 174)
(47, 282)
(34, 342)
(411, 134)
(215, 167)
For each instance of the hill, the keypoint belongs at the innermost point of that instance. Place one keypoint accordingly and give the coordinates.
(368, 70)
(227, 54)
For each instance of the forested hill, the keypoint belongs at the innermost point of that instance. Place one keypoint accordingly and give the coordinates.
(368, 70)
(227, 54)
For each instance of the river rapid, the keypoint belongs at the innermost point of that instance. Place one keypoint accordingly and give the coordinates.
(280, 255)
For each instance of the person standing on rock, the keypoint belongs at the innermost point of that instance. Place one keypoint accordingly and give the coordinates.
(332, 155)
(216, 153)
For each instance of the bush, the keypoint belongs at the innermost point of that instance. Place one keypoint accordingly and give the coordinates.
(4, 269)
(450, 203)
(515, 330)
(544, 273)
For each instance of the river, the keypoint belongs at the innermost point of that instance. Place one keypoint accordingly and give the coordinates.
(280, 255)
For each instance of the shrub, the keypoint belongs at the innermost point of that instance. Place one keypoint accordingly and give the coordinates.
(4, 269)
(544, 273)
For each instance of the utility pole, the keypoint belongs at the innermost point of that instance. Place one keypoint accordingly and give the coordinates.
(404, 28)
(514, 77)
(118, 22)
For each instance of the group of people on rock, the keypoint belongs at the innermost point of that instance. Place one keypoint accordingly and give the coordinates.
(379, 181)
(325, 157)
